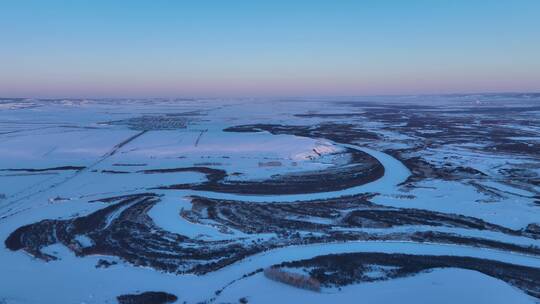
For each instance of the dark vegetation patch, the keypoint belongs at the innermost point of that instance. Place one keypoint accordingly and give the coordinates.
(113, 199)
(114, 172)
(324, 215)
(148, 297)
(338, 132)
(450, 238)
(361, 168)
(532, 230)
(105, 264)
(531, 148)
(62, 168)
(124, 229)
(422, 169)
(213, 175)
(337, 270)
(493, 130)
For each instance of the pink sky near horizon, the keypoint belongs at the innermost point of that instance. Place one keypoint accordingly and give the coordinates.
(100, 48)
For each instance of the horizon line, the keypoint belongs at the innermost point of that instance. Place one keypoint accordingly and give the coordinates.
(277, 96)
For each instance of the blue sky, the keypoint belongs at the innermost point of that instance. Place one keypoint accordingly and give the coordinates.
(267, 48)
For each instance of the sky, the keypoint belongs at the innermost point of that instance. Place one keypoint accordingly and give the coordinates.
(204, 48)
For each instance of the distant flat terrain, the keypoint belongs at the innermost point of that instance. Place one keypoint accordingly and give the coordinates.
(411, 199)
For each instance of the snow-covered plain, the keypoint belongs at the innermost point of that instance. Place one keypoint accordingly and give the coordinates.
(444, 158)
